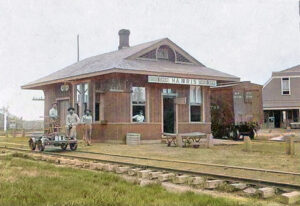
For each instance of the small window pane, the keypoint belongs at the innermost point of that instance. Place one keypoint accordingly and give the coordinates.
(138, 95)
(169, 91)
(97, 111)
(195, 95)
(86, 92)
(195, 113)
(248, 97)
(138, 113)
(238, 95)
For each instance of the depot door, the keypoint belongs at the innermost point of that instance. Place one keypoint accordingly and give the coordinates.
(169, 114)
(63, 106)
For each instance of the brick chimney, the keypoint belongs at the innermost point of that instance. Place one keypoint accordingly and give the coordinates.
(124, 38)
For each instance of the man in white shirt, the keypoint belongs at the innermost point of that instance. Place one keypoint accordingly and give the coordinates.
(53, 112)
(53, 115)
(87, 120)
(72, 120)
(139, 117)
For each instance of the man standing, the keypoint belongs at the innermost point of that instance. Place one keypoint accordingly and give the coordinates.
(87, 120)
(72, 120)
(53, 115)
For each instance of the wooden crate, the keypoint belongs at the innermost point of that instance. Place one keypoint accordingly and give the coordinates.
(133, 139)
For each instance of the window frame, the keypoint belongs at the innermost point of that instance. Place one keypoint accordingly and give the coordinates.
(248, 100)
(146, 118)
(86, 101)
(196, 104)
(282, 91)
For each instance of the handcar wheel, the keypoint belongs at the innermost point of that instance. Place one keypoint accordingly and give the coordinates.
(64, 146)
(32, 145)
(40, 146)
(73, 146)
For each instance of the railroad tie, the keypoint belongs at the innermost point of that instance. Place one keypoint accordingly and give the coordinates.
(133, 171)
(290, 198)
(180, 179)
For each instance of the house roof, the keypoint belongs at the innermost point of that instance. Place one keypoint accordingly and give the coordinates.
(288, 72)
(125, 61)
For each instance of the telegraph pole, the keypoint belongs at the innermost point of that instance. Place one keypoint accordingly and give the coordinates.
(77, 47)
(5, 110)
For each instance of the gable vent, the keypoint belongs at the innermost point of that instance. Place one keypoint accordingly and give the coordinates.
(180, 58)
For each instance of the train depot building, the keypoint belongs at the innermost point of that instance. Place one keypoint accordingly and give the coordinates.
(134, 90)
(281, 99)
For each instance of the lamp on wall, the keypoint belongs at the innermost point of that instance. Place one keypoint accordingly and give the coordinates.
(64, 87)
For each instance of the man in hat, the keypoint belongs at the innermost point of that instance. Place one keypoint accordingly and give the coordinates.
(72, 120)
(87, 121)
(53, 115)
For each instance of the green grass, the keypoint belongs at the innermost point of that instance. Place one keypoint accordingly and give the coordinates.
(25, 182)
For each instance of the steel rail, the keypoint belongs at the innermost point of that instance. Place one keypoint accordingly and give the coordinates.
(194, 163)
(181, 171)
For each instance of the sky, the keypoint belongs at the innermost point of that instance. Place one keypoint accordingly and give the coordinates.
(248, 39)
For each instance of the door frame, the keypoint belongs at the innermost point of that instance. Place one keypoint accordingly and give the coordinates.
(171, 96)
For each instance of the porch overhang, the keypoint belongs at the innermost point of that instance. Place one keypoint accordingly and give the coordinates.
(39, 85)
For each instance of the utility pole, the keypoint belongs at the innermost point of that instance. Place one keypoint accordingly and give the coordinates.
(77, 47)
(5, 110)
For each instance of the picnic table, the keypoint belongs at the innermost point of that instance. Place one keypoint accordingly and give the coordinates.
(192, 138)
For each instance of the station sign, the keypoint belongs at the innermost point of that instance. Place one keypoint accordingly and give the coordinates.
(182, 81)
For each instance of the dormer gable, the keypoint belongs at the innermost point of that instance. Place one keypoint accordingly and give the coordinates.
(165, 50)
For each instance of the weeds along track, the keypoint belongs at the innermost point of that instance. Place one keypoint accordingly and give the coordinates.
(259, 177)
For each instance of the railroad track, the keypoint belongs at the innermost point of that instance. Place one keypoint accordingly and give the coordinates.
(178, 168)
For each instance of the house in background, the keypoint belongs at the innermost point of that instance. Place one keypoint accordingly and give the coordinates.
(281, 98)
(146, 78)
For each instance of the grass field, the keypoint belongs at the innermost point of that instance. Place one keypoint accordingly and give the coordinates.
(25, 182)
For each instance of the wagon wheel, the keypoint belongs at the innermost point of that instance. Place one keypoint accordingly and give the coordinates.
(40, 146)
(32, 144)
(64, 146)
(73, 146)
(236, 135)
(251, 134)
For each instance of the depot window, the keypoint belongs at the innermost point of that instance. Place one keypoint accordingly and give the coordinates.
(195, 103)
(82, 98)
(285, 86)
(138, 100)
(248, 97)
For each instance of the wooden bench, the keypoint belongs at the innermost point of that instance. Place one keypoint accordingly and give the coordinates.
(192, 138)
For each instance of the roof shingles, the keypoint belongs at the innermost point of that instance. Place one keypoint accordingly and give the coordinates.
(119, 60)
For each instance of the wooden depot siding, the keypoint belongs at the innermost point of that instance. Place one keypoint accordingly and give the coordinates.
(53, 94)
(114, 92)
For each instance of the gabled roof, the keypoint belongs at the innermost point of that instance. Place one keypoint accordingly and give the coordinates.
(126, 61)
(288, 72)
